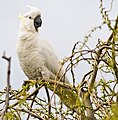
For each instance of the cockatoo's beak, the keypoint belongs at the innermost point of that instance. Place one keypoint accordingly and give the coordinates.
(20, 17)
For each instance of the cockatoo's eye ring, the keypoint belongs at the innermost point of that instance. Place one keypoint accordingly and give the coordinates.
(30, 17)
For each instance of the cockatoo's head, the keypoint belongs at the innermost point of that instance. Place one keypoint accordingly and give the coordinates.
(31, 20)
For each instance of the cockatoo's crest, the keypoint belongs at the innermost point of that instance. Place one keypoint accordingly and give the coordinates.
(32, 8)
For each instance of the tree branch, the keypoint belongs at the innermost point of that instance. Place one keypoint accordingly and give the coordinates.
(33, 93)
(8, 59)
(31, 113)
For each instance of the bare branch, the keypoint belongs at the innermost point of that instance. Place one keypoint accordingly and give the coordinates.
(8, 59)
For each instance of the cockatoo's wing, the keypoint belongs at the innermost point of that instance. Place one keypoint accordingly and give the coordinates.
(52, 62)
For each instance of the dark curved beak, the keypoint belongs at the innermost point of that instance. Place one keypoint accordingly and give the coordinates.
(37, 22)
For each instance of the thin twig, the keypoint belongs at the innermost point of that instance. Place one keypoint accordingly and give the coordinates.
(71, 63)
(88, 73)
(32, 102)
(31, 113)
(49, 100)
(33, 93)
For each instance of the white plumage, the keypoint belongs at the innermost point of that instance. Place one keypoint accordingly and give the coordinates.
(35, 54)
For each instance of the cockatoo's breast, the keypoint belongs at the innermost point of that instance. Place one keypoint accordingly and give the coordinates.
(30, 54)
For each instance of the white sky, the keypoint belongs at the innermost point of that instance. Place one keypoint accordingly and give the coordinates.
(64, 23)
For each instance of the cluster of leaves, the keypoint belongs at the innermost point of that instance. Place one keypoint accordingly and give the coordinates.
(96, 96)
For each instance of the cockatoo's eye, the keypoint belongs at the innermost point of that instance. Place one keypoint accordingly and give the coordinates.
(30, 17)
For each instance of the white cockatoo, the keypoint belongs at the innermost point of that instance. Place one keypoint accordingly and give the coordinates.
(36, 56)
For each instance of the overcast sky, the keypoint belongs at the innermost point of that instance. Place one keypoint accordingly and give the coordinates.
(64, 23)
